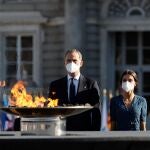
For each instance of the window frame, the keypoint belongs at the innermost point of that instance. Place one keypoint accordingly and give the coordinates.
(33, 30)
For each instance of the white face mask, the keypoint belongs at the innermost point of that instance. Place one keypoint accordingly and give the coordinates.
(72, 67)
(127, 86)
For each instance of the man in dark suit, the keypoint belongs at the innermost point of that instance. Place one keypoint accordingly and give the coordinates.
(86, 91)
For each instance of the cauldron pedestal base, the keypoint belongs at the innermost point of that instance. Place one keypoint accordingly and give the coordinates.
(54, 126)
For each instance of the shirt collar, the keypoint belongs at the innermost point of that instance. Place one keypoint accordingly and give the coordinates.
(76, 77)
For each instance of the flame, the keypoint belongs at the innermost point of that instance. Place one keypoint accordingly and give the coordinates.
(20, 98)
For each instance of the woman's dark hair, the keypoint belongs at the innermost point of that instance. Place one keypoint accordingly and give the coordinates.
(129, 72)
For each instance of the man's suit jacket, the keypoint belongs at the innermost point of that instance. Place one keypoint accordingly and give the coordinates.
(88, 92)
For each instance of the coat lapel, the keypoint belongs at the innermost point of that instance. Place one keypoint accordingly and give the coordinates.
(82, 84)
(65, 88)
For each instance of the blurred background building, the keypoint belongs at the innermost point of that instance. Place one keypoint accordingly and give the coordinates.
(113, 35)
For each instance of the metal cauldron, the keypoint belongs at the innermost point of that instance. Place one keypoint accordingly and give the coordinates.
(45, 121)
(54, 126)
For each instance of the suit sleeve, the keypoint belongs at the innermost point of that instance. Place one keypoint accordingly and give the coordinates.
(96, 114)
(52, 91)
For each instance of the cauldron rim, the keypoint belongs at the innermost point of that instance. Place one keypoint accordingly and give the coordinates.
(62, 111)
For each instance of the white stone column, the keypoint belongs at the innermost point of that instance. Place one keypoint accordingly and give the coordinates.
(2, 59)
(103, 58)
(74, 24)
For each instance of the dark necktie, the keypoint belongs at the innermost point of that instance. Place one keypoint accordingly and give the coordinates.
(72, 91)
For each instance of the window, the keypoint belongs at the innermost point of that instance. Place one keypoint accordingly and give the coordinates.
(132, 51)
(19, 57)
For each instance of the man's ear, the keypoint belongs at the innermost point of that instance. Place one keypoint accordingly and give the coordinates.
(81, 63)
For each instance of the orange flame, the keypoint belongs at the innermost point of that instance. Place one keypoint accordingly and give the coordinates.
(20, 98)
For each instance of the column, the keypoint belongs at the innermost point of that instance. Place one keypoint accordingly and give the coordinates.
(2, 60)
(103, 58)
(74, 24)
